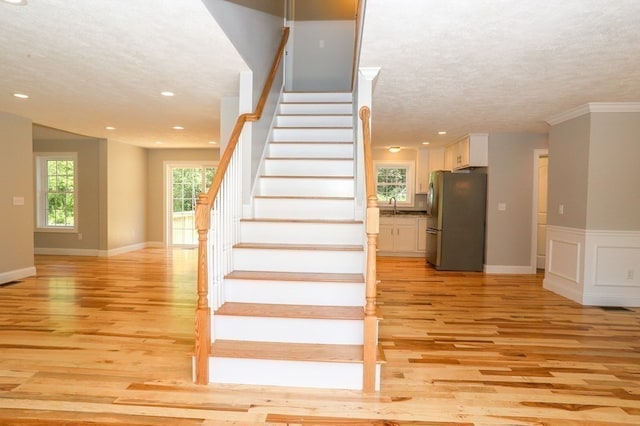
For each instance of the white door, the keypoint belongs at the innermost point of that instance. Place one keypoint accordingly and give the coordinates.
(186, 182)
(543, 167)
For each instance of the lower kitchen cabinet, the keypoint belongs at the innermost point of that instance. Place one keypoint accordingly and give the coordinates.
(399, 236)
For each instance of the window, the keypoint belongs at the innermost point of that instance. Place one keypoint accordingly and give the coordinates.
(395, 180)
(186, 182)
(57, 191)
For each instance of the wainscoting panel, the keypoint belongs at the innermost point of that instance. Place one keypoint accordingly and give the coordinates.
(593, 267)
(565, 251)
(612, 268)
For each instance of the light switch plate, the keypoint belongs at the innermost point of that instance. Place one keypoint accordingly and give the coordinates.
(18, 201)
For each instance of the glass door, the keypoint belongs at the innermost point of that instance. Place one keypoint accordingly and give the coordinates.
(186, 183)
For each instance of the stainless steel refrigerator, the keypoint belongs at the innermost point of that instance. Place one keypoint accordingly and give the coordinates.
(456, 209)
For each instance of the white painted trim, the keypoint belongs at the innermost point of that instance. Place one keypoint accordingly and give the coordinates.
(509, 269)
(599, 276)
(17, 274)
(537, 153)
(121, 250)
(65, 251)
(593, 107)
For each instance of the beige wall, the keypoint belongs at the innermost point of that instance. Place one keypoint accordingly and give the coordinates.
(568, 172)
(510, 181)
(126, 193)
(156, 164)
(88, 195)
(613, 201)
(316, 10)
(16, 175)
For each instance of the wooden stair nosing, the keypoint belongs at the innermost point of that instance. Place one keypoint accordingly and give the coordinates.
(315, 102)
(305, 177)
(296, 276)
(315, 115)
(312, 247)
(291, 351)
(267, 310)
(303, 197)
(310, 158)
(310, 221)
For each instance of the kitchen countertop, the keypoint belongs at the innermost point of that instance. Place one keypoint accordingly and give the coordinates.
(413, 213)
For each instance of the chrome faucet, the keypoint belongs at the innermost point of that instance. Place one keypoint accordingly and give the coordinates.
(395, 209)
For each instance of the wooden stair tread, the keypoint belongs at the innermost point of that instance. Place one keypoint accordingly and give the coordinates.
(295, 276)
(304, 177)
(316, 142)
(283, 246)
(291, 311)
(310, 158)
(284, 220)
(303, 197)
(291, 351)
(286, 351)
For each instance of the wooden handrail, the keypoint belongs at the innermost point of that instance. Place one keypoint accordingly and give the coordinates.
(243, 118)
(203, 213)
(370, 347)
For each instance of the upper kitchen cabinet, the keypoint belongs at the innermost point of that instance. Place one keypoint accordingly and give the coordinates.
(428, 160)
(422, 171)
(470, 151)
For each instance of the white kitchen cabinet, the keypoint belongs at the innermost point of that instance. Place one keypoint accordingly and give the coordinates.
(399, 236)
(470, 151)
(436, 159)
(422, 171)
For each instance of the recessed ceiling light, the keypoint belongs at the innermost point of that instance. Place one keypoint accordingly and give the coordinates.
(178, 128)
(425, 143)
(212, 143)
(167, 93)
(158, 142)
(16, 2)
(109, 127)
(442, 132)
(394, 149)
(21, 95)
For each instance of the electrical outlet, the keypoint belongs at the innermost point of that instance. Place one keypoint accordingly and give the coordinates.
(561, 209)
(630, 274)
(79, 235)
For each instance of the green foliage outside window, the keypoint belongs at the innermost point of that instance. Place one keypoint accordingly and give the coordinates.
(392, 182)
(187, 184)
(60, 193)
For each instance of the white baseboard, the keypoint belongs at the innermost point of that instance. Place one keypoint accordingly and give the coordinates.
(65, 252)
(17, 274)
(122, 250)
(509, 269)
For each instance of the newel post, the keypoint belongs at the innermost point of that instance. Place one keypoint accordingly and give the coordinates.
(203, 312)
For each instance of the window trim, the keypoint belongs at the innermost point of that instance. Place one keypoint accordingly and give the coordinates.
(410, 167)
(40, 180)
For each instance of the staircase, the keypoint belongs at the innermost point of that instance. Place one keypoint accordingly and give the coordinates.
(293, 311)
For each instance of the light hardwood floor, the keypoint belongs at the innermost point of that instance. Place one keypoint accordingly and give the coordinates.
(108, 341)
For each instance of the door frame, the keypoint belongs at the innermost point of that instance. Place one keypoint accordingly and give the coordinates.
(168, 184)
(537, 153)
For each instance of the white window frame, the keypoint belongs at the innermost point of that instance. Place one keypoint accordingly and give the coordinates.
(41, 159)
(410, 168)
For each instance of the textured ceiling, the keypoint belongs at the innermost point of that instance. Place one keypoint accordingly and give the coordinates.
(93, 63)
(457, 65)
(495, 65)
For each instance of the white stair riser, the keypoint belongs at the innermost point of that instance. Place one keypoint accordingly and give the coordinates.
(311, 150)
(301, 233)
(308, 374)
(277, 260)
(340, 120)
(315, 108)
(312, 134)
(317, 97)
(303, 208)
(316, 187)
(288, 330)
(306, 167)
(294, 293)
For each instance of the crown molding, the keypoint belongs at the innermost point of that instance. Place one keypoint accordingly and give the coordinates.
(593, 107)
